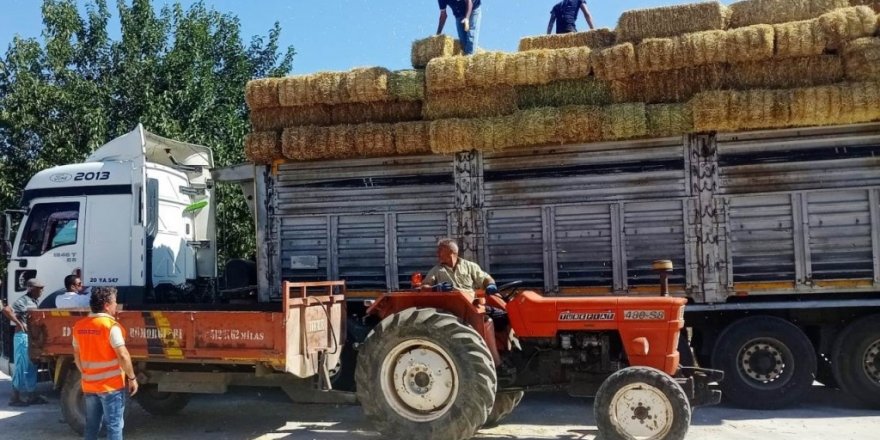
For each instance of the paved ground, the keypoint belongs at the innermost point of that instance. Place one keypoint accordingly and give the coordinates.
(268, 414)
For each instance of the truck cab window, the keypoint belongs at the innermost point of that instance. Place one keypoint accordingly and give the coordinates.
(49, 225)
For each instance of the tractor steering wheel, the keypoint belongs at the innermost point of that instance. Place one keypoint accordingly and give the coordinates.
(513, 286)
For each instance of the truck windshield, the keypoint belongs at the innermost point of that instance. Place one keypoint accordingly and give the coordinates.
(49, 225)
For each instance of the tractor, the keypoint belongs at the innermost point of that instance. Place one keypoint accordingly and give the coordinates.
(435, 366)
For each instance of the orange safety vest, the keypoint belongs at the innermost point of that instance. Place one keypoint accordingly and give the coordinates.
(101, 369)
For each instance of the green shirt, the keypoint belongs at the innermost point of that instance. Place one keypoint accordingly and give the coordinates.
(465, 276)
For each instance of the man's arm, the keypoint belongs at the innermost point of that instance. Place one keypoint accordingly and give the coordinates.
(587, 15)
(550, 25)
(9, 314)
(76, 357)
(442, 22)
(127, 368)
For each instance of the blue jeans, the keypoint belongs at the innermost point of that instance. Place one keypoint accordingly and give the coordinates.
(469, 39)
(106, 407)
(24, 378)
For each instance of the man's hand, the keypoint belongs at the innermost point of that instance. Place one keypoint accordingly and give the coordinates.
(132, 387)
(491, 289)
(466, 23)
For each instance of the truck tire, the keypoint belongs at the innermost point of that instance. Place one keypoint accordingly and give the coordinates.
(73, 407)
(641, 402)
(856, 360)
(505, 403)
(451, 377)
(160, 403)
(768, 363)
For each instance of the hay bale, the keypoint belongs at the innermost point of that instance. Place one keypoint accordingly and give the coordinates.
(412, 138)
(874, 4)
(367, 84)
(579, 123)
(543, 66)
(799, 39)
(407, 85)
(668, 21)
(594, 39)
(656, 54)
(732, 110)
(449, 136)
(751, 43)
(445, 74)
(263, 147)
(615, 62)
(677, 85)
(847, 24)
(303, 143)
(700, 48)
(586, 91)
(373, 140)
(485, 69)
(751, 12)
(279, 118)
(847, 103)
(569, 63)
(668, 120)
(859, 102)
(295, 91)
(326, 88)
(624, 121)
(262, 93)
(388, 112)
(529, 128)
(340, 141)
(470, 103)
(861, 59)
(785, 73)
(437, 46)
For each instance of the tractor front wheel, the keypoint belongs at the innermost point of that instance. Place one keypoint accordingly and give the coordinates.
(423, 374)
(641, 403)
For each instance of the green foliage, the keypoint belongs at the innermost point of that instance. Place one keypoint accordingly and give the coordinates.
(180, 72)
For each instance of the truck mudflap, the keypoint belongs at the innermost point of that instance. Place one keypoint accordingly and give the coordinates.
(697, 385)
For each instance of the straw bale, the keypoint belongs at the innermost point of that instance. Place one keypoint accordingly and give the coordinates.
(448, 136)
(412, 138)
(279, 118)
(295, 91)
(751, 43)
(677, 85)
(444, 74)
(470, 103)
(262, 93)
(874, 4)
(615, 62)
(668, 21)
(859, 102)
(304, 143)
(799, 39)
(579, 123)
(656, 54)
(846, 103)
(390, 111)
(586, 91)
(485, 69)
(569, 63)
(367, 84)
(263, 147)
(731, 110)
(785, 73)
(529, 128)
(438, 46)
(751, 12)
(624, 121)
(862, 59)
(701, 48)
(340, 141)
(847, 24)
(595, 39)
(374, 140)
(668, 120)
(532, 67)
(407, 85)
(326, 88)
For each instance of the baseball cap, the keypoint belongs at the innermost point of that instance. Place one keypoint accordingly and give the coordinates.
(33, 282)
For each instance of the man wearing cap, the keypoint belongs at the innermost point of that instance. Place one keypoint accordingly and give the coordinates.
(24, 377)
(565, 14)
(467, 16)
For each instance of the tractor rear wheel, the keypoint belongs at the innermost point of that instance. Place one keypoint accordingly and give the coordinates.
(160, 403)
(641, 403)
(505, 403)
(423, 374)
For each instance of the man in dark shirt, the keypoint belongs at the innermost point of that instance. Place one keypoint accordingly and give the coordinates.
(565, 15)
(467, 16)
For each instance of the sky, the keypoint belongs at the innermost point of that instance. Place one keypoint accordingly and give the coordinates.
(341, 34)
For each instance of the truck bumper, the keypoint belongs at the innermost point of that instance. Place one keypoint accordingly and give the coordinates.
(697, 385)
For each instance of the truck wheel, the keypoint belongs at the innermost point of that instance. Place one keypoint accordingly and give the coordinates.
(856, 360)
(643, 403)
(160, 403)
(423, 374)
(73, 407)
(768, 363)
(505, 403)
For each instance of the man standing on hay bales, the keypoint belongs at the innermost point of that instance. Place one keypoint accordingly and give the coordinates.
(467, 16)
(565, 14)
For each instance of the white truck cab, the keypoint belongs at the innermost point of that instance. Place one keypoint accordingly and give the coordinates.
(138, 214)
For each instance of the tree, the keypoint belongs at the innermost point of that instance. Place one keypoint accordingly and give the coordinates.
(180, 72)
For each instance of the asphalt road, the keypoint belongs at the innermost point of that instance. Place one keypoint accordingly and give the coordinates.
(251, 413)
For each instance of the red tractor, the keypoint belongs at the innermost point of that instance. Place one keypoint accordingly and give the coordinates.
(435, 367)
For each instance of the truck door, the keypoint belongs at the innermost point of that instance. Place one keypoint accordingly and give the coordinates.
(108, 259)
(50, 245)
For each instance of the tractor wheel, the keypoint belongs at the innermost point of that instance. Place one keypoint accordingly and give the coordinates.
(423, 374)
(160, 403)
(73, 407)
(856, 360)
(768, 363)
(505, 403)
(643, 403)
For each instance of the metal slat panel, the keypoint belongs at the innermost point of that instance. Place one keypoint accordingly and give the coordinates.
(417, 236)
(761, 234)
(654, 231)
(362, 251)
(515, 245)
(304, 237)
(840, 234)
(583, 245)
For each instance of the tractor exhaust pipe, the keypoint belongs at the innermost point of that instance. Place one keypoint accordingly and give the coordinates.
(663, 267)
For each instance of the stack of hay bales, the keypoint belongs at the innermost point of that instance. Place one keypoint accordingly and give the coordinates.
(666, 71)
